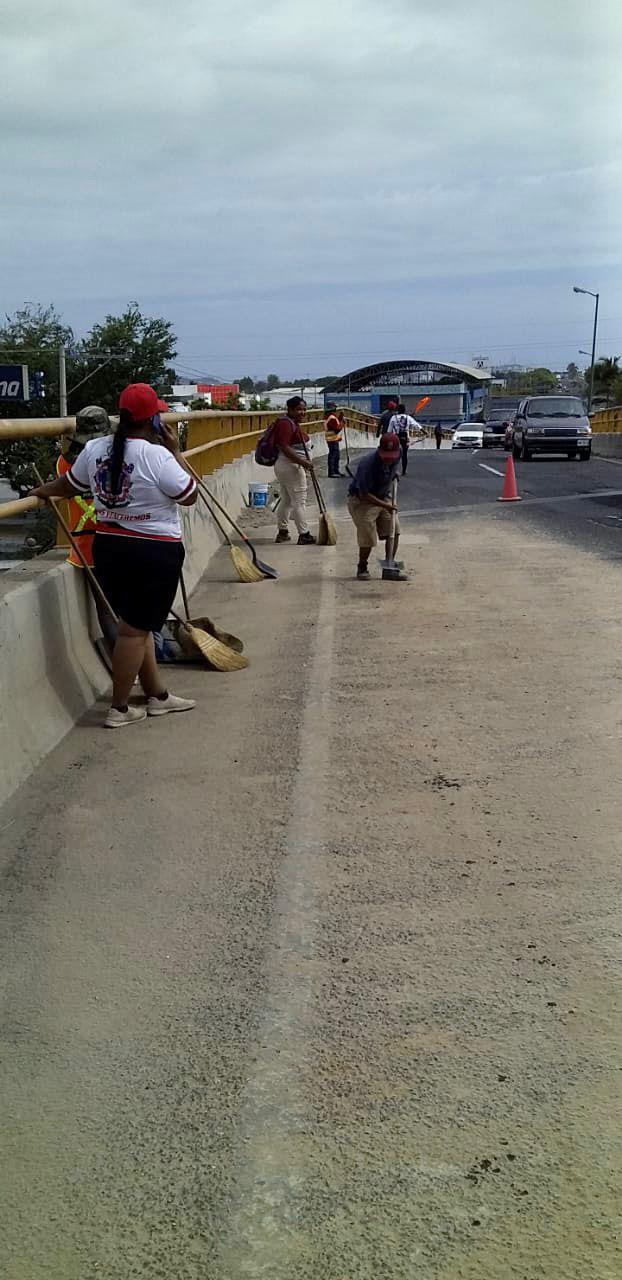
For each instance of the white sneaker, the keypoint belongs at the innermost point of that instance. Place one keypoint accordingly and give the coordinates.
(161, 707)
(117, 719)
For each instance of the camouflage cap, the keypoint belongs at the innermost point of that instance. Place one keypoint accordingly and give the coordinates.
(91, 421)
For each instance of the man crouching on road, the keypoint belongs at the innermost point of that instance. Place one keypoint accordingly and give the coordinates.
(369, 501)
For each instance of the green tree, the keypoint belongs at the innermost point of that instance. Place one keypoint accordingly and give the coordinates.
(272, 381)
(130, 348)
(606, 375)
(32, 336)
(616, 391)
(525, 382)
(574, 382)
(245, 384)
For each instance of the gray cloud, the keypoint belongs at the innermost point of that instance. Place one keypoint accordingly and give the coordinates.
(209, 159)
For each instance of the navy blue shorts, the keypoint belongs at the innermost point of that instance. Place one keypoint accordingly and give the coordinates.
(139, 577)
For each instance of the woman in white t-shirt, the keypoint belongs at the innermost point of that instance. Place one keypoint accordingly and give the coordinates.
(139, 480)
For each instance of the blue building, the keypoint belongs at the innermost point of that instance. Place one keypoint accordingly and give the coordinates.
(456, 392)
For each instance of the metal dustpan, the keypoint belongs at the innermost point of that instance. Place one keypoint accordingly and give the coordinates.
(393, 570)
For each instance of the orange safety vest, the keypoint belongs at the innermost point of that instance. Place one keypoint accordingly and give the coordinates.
(81, 520)
(332, 432)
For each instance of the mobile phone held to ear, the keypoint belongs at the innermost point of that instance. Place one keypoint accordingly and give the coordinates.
(156, 424)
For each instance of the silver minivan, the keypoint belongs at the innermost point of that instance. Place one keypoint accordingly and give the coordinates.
(552, 424)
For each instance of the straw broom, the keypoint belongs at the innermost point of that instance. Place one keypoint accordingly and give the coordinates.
(245, 569)
(265, 570)
(216, 654)
(225, 637)
(327, 533)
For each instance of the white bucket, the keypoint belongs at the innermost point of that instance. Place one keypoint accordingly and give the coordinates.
(258, 495)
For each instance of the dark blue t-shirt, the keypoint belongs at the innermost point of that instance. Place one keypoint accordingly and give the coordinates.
(374, 476)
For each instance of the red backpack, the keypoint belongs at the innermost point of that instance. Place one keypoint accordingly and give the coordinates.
(266, 450)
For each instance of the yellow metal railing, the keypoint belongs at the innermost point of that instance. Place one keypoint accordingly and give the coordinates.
(607, 419)
(212, 439)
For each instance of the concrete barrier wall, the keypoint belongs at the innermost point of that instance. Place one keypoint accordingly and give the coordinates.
(607, 444)
(50, 672)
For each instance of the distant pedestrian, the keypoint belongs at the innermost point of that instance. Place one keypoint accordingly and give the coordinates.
(385, 418)
(139, 480)
(290, 470)
(369, 501)
(404, 427)
(332, 432)
(438, 435)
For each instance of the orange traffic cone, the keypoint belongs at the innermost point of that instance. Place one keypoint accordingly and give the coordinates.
(510, 492)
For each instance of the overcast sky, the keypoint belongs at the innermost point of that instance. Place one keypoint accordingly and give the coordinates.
(306, 186)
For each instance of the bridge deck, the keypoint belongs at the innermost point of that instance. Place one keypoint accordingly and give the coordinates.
(318, 981)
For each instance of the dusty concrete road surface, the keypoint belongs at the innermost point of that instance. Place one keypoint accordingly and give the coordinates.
(322, 982)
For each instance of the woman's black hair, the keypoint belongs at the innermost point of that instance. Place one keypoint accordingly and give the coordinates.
(294, 401)
(117, 453)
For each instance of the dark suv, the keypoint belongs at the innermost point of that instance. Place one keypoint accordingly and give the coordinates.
(552, 424)
(494, 428)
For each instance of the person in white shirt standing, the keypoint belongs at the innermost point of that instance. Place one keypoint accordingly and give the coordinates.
(404, 427)
(138, 479)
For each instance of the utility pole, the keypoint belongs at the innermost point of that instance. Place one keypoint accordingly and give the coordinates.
(591, 395)
(596, 297)
(62, 382)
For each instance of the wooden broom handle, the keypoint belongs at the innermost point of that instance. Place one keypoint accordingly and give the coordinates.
(316, 484)
(75, 543)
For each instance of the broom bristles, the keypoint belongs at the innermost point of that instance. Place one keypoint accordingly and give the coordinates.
(245, 569)
(327, 533)
(216, 654)
(204, 624)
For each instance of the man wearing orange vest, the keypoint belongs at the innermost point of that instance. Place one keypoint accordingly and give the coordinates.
(332, 432)
(90, 421)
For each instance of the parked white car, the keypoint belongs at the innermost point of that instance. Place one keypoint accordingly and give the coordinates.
(468, 436)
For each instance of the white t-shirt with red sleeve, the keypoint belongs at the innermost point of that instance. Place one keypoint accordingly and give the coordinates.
(151, 485)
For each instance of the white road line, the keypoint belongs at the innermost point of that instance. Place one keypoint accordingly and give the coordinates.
(261, 1239)
(493, 469)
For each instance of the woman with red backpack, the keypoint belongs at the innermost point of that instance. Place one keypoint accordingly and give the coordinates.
(290, 469)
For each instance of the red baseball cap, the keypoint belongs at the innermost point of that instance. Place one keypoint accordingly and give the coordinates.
(392, 404)
(141, 401)
(389, 445)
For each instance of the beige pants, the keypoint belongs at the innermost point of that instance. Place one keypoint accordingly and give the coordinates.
(293, 485)
(371, 522)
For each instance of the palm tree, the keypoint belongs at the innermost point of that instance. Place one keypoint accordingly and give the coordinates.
(606, 373)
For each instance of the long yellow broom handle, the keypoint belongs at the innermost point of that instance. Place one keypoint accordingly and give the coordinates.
(75, 543)
(316, 484)
(225, 535)
(212, 497)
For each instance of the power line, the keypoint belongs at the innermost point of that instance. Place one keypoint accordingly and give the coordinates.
(395, 354)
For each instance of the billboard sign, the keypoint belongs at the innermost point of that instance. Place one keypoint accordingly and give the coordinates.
(14, 382)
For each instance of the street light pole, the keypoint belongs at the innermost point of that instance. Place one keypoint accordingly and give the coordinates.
(596, 296)
(589, 403)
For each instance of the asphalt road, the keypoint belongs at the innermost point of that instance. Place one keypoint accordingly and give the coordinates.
(321, 981)
(580, 502)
